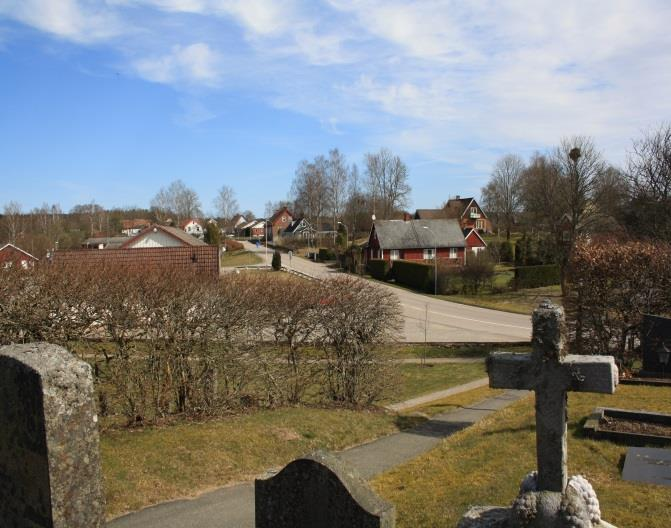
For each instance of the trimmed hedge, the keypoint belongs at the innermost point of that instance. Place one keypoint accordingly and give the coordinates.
(537, 276)
(379, 269)
(326, 254)
(416, 275)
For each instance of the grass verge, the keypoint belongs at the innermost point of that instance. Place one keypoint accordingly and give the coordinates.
(520, 301)
(423, 379)
(151, 465)
(239, 258)
(430, 351)
(484, 464)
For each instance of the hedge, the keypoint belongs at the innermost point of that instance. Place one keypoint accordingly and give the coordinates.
(326, 254)
(379, 269)
(536, 276)
(416, 275)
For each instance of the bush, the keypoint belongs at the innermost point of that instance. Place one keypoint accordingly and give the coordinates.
(478, 270)
(277, 260)
(415, 275)
(506, 251)
(167, 343)
(232, 245)
(536, 276)
(611, 284)
(379, 269)
(449, 279)
(326, 254)
(212, 234)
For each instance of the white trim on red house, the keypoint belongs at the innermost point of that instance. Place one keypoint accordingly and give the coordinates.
(18, 249)
(474, 230)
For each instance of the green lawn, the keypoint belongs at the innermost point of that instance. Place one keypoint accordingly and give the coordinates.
(521, 301)
(429, 351)
(484, 464)
(417, 380)
(147, 466)
(239, 258)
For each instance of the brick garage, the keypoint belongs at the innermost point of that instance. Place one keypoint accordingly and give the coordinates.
(196, 259)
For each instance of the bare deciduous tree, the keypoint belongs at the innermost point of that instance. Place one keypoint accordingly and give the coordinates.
(310, 190)
(387, 182)
(503, 194)
(177, 199)
(649, 172)
(337, 176)
(226, 203)
(12, 217)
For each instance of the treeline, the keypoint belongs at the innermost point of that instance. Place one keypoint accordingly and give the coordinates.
(572, 190)
(164, 343)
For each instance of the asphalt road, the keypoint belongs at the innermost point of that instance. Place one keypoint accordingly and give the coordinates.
(429, 319)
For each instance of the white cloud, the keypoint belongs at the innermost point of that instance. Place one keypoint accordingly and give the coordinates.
(68, 19)
(193, 64)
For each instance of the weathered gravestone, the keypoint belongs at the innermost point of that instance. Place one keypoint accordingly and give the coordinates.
(547, 497)
(656, 346)
(49, 459)
(319, 491)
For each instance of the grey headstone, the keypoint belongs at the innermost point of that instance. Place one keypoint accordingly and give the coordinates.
(49, 448)
(647, 464)
(319, 491)
(655, 335)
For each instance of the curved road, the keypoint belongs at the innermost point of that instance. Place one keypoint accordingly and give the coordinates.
(433, 320)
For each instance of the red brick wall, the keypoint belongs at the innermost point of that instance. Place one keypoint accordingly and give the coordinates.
(198, 259)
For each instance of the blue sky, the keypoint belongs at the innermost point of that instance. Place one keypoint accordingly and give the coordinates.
(110, 100)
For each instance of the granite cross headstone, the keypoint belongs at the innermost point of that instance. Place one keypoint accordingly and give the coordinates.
(319, 491)
(547, 498)
(49, 458)
(551, 373)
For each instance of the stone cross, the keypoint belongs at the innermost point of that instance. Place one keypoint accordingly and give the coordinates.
(551, 373)
(49, 458)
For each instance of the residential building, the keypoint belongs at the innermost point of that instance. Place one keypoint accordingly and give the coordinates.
(299, 228)
(194, 227)
(278, 223)
(161, 236)
(133, 227)
(466, 210)
(417, 240)
(11, 255)
(104, 242)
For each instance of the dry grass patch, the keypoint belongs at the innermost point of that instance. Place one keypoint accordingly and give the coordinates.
(484, 464)
(146, 466)
(417, 380)
(520, 301)
(239, 258)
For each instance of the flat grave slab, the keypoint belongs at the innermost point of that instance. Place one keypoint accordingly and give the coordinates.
(648, 464)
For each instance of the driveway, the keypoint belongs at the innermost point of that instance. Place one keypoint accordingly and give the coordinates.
(428, 319)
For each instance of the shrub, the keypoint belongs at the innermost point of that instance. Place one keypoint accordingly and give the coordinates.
(212, 234)
(232, 245)
(506, 251)
(277, 260)
(536, 276)
(415, 275)
(326, 254)
(611, 284)
(449, 279)
(379, 269)
(478, 270)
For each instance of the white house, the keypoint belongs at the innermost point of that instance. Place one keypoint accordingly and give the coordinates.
(194, 227)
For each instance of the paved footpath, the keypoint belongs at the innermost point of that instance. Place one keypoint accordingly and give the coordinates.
(233, 506)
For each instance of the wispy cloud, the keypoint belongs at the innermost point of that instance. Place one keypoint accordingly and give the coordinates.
(195, 63)
(430, 77)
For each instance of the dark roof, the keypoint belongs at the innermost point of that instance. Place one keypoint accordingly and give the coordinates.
(294, 225)
(278, 213)
(430, 214)
(174, 232)
(107, 242)
(419, 234)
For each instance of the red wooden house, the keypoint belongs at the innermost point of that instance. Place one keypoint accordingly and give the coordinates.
(417, 240)
(466, 210)
(11, 256)
(278, 223)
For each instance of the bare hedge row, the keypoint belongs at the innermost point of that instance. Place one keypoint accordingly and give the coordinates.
(611, 285)
(163, 343)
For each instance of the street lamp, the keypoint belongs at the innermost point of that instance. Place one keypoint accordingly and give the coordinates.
(265, 236)
(435, 264)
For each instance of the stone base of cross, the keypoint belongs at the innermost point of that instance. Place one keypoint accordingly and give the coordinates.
(547, 497)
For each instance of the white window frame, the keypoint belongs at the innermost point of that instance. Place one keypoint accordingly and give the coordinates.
(394, 254)
(479, 224)
(429, 254)
(453, 253)
(474, 210)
